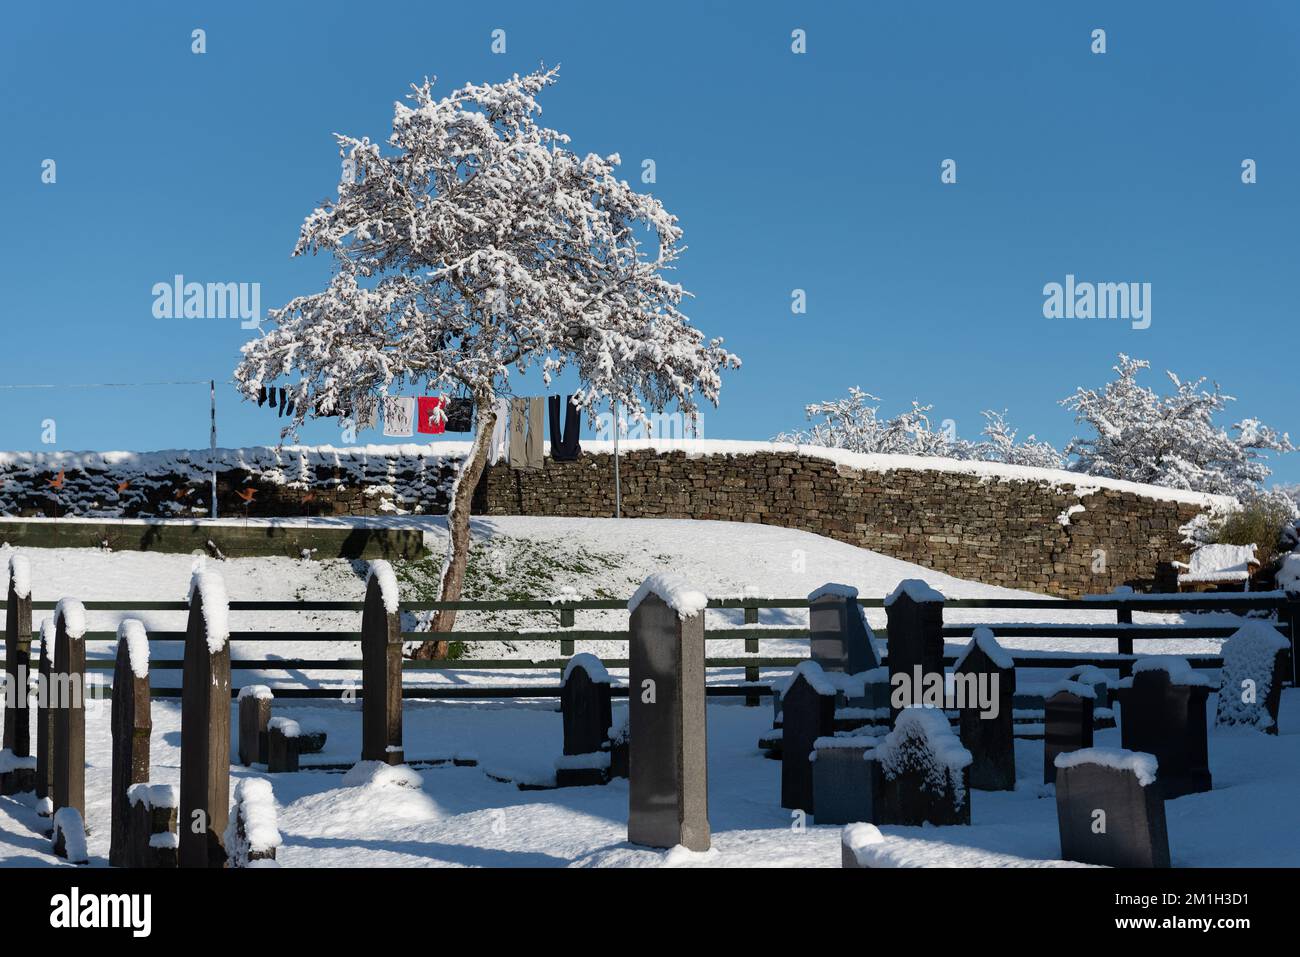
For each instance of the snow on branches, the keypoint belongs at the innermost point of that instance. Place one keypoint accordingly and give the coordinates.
(479, 245)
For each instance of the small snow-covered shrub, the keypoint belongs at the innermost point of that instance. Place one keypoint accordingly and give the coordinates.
(1262, 521)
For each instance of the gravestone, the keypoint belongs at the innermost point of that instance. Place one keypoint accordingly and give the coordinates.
(1110, 809)
(587, 716)
(924, 771)
(808, 703)
(253, 835)
(381, 668)
(1163, 714)
(839, 637)
(1254, 667)
(988, 733)
(282, 738)
(18, 633)
(45, 724)
(70, 835)
(857, 842)
(255, 703)
(205, 726)
(1067, 723)
(668, 771)
(846, 787)
(67, 691)
(132, 724)
(152, 839)
(915, 639)
(618, 748)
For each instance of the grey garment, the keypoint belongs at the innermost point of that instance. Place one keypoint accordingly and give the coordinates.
(518, 433)
(535, 451)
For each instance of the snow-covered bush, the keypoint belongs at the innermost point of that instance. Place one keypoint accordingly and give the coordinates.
(1264, 520)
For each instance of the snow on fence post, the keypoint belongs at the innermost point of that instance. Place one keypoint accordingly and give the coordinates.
(45, 724)
(205, 726)
(254, 714)
(381, 668)
(283, 737)
(253, 834)
(668, 797)
(132, 725)
(587, 717)
(1067, 723)
(1254, 667)
(151, 833)
(915, 640)
(1163, 714)
(66, 693)
(1110, 809)
(808, 713)
(839, 637)
(985, 715)
(18, 635)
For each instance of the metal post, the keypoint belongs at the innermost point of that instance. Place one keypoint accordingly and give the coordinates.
(618, 490)
(212, 396)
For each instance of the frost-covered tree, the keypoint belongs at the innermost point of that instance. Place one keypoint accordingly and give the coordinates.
(1169, 440)
(1000, 445)
(476, 246)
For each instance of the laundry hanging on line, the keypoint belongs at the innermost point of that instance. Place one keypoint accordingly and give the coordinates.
(564, 444)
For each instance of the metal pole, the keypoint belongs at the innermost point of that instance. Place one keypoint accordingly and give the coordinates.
(618, 490)
(212, 396)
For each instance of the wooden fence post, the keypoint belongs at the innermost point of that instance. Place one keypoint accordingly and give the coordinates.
(132, 726)
(45, 724)
(205, 726)
(66, 692)
(381, 668)
(1124, 616)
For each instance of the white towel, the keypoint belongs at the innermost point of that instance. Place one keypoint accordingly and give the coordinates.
(399, 416)
(497, 444)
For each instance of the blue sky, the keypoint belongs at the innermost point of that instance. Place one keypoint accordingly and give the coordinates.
(818, 171)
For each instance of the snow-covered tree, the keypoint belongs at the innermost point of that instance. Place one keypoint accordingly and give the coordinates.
(1169, 440)
(477, 246)
(1000, 445)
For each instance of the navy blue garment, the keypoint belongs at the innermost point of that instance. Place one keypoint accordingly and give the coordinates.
(564, 445)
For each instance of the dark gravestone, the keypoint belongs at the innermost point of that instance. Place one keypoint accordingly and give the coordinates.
(924, 772)
(1067, 724)
(915, 638)
(152, 839)
(986, 674)
(587, 716)
(1167, 719)
(381, 671)
(839, 637)
(254, 713)
(618, 750)
(132, 724)
(1110, 809)
(846, 787)
(1254, 667)
(205, 728)
(18, 633)
(67, 696)
(668, 772)
(45, 724)
(808, 704)
(282, 739)
(311, 742)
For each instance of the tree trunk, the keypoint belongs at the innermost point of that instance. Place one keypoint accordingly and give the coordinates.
(458, 515)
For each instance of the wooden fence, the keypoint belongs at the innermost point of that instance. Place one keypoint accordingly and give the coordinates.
(1123, 631)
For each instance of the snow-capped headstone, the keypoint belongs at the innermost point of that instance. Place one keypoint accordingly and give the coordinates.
(856, 840)
(1067, 723)
(1163, 714)
(283, 736)
(67, 690)
(846, 787)
(924, 771)
(18, 632)
(840, 638)
(132, 725)
(987, 732)
(915, 640)
(668, 770)
(255, 702)
(70, 835)
(587, 715)
(1110, 808)
(1254, 667)
(205, 726)
(45, 724)
(381, 668)
(808, 710)
(152, 839)
(253, 834)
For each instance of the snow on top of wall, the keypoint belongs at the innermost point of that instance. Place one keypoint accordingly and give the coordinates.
(382, 572)
(1139, 762)
(73, 614)
(296, 457)
(833, 589)
(131, 630)
(1179, 670)
(914, 589)
(261, 692)
(982, 638)
(677, 593)
(20, 575)
(216, 609)
(590, 664)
